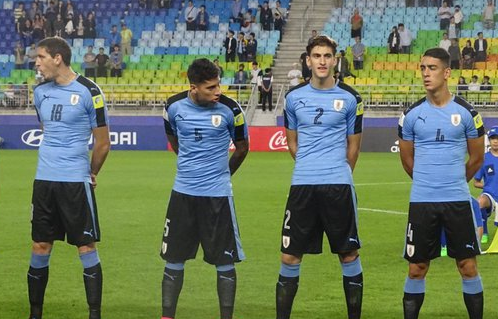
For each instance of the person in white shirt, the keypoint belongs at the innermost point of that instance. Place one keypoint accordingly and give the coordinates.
(256, 74)
(474, 85)
(458, 15)
(191, 16)
(294, 75)
(405, 37)
(488, 16)
(445, 43)
(444, 14)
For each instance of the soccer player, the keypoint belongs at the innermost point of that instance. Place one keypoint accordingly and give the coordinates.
(488, 182)
(436, 134)
(323, 120)
(200, 123)
(70, 109)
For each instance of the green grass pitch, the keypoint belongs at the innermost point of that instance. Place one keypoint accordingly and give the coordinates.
(132, 195)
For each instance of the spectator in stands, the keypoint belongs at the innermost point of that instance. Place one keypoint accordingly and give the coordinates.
(455, 56)
(31, 55)
(69, 10)
(462, 86)
(69, 28)
(21, 22)
(51, 13)
(445, 43)
(278, 25)
(452, 29)
(267, 90)
(444, 14)
(394, 41)
(247, 21)
(10, 95)
(230, 46)
(468, 56)
(19, 55)
(474, 85)
(19, 12)
(217, 63)
(251, 48)
(257, 16)
(114, 37)
(33, 11)
(61, 8)
(236, 10)
(488, 16)
(486, 85)
(163, 4)
(90, 26)
(342, 65)
(190, 15)
(59, 26)
(90, 64)
(314, 34)
(481, 48)
(116, 62)
(405, 38)
(38, 33)
(79, 24)
(358, 54)
(47, 27)
(202, 21)
(294, 75)
(458, 15)
(27, 33)
(126, 37)
(256, 75)
(241, 47)
(281, 11)
(102, 61)
(305, 70)
(356, 24)
(266, 17)
(240, 76)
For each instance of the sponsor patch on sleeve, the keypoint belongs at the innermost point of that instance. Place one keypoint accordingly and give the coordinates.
(98, 101)
(239, 120)
(478, 121)
(359, 108)
(401, 119)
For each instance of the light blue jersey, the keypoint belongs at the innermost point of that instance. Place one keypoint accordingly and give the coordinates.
(68, 114)
(204, 135)
(440, 137)
(489, 174)
(323, 120)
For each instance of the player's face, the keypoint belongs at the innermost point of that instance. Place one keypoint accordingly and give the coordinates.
(207, 92)
(493, 142)
(434, 73)
(321, 61)
(46, 64)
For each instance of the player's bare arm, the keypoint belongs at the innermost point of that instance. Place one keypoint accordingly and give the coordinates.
(406, 152)
(173, 141)
(475, 147)
(238, 156)
(353, 149)
(292, 142)
(101, 148)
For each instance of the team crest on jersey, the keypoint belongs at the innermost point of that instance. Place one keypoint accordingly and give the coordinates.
(216, 120)
(74, 99)
(410, 250)
(164, 248)
(338, 105)
(456, 119)
(285, 241)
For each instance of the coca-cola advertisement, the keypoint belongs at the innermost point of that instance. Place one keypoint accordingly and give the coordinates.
(266, 139)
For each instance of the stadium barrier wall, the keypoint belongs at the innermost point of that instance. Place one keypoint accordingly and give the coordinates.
(147, 133)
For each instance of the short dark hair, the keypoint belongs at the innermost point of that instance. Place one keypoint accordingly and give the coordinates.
(57, 45)
(479, 33)
(268, 70)
(400, 25)
(254, 63)
(322, 40)
(440, 54)
(202, 70)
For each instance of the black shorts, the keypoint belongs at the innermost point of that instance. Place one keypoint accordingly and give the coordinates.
(425, 223)
(61, 208)
(314, 209)
(210, 221)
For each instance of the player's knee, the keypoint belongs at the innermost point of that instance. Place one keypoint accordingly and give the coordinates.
(467, 267)
(348, 257)
(291, 259)
(418, 271)
(86, 248)
(42, 248)
(90, 259)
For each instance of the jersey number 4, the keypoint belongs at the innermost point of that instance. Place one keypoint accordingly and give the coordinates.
(56, 112)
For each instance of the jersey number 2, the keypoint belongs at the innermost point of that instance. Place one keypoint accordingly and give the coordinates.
(56, 112)
(320, 113)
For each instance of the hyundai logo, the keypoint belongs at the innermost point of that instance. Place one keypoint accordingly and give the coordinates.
(32, 137)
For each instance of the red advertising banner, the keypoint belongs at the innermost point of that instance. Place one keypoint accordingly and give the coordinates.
(267, 139)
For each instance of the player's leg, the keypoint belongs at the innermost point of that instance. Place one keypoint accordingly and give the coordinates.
(180, 243)
(38, 277)
(302, 233)
(423, 235)
(92, 278)
(220, 240)
(472, 287)
(485, 205)
(340, 220)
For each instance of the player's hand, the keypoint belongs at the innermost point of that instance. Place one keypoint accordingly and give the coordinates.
(94, 180)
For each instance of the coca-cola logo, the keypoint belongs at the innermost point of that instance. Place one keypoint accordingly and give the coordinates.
(278, 141)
